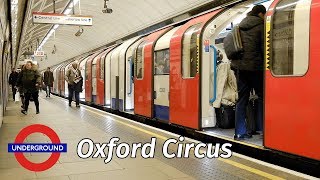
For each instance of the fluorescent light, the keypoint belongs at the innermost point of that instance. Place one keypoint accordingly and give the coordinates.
(67, 11)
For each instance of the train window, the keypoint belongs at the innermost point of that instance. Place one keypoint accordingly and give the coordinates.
(161, 62)
(102, 68)
(190, 50)
(139, 61)
(290, 42)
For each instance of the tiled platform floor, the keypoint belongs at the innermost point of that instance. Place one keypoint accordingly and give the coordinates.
(72, 125)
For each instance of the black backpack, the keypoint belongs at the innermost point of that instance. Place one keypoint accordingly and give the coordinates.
(233, 44)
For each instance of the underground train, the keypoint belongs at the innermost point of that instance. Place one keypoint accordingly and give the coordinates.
(169, 74)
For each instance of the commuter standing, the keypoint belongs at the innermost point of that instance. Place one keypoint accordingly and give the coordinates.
(12, 81)
(48, 81)
(75, 81)
(250, 69)
(29, 80)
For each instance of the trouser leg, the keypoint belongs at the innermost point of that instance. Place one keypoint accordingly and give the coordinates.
(70, 88)
(77, 97)
(35, 97)
(241, 106)
(27, 100)
(49, 90)
(257, 84)
(14, 91)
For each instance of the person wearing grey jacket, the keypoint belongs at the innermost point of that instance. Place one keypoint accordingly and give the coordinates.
(249, 69)
(75, 80)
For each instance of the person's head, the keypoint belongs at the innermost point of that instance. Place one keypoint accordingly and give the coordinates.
(258, 10)
(13, 69)
(48, 68)
(28, 65)
(75, 65)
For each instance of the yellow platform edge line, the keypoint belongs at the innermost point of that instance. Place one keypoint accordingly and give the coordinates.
(228, 161)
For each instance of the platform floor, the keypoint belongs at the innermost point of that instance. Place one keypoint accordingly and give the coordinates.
(73, 124)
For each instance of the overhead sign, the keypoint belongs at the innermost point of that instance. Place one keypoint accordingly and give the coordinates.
(38, 53)
(51, 18)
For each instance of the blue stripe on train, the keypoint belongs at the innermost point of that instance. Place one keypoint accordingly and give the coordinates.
(161, 112)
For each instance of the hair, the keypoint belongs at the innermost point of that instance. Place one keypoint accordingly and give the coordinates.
(256, 10)
(29, 62)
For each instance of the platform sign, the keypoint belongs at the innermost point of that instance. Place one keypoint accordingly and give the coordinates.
(52, 18)
(38, 53)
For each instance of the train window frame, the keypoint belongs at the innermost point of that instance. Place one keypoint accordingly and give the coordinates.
(141, 47)
(186, 49)
(294, 45)
(156, 60)
(102, 61)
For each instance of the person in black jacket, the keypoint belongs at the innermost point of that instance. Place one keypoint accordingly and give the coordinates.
(12, 81)
(48, 80)
(30, 80)
(250, 69)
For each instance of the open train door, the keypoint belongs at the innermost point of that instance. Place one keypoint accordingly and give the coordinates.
(143, 88)
(185, 93)
(161, 75)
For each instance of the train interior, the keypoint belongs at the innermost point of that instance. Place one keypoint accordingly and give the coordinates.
(216, 31)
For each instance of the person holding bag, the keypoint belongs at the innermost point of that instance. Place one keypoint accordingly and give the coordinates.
(75, 81)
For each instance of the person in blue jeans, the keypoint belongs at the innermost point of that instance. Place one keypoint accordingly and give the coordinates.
(249, 69)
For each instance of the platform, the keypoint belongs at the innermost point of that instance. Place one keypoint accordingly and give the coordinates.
(73, 124)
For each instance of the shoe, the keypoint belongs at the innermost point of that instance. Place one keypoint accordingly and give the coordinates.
(242, 136)
(37, 112)
(253, 133)
(24, 112)
(78, 106)
(70, 105)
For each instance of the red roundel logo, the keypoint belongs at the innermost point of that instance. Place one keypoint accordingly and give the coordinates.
(18, 147)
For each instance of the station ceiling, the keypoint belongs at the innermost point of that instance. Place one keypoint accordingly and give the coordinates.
(128, 17)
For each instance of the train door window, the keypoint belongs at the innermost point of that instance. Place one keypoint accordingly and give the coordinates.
(102, 68)
(190, 51)
(94, 70)
(289, 41)
(161, 62)
(87, 70)
(140, 61)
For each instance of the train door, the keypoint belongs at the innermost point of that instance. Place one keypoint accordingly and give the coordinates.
(122, 72)
(143, 89)
(82, 69)
(161, 75)
(129, 77)
(100, 76)
(185, 72)
(292, 74)
(107, 76)
(66, 90)
(95, 76)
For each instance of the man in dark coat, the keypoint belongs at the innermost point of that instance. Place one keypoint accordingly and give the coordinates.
(250, 69)
(30, 80)
(48, 81)
(12, 81)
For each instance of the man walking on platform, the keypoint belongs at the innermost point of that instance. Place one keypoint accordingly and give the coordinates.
(30, 79)
(48, 81)
(12, 81)
(75, 82)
